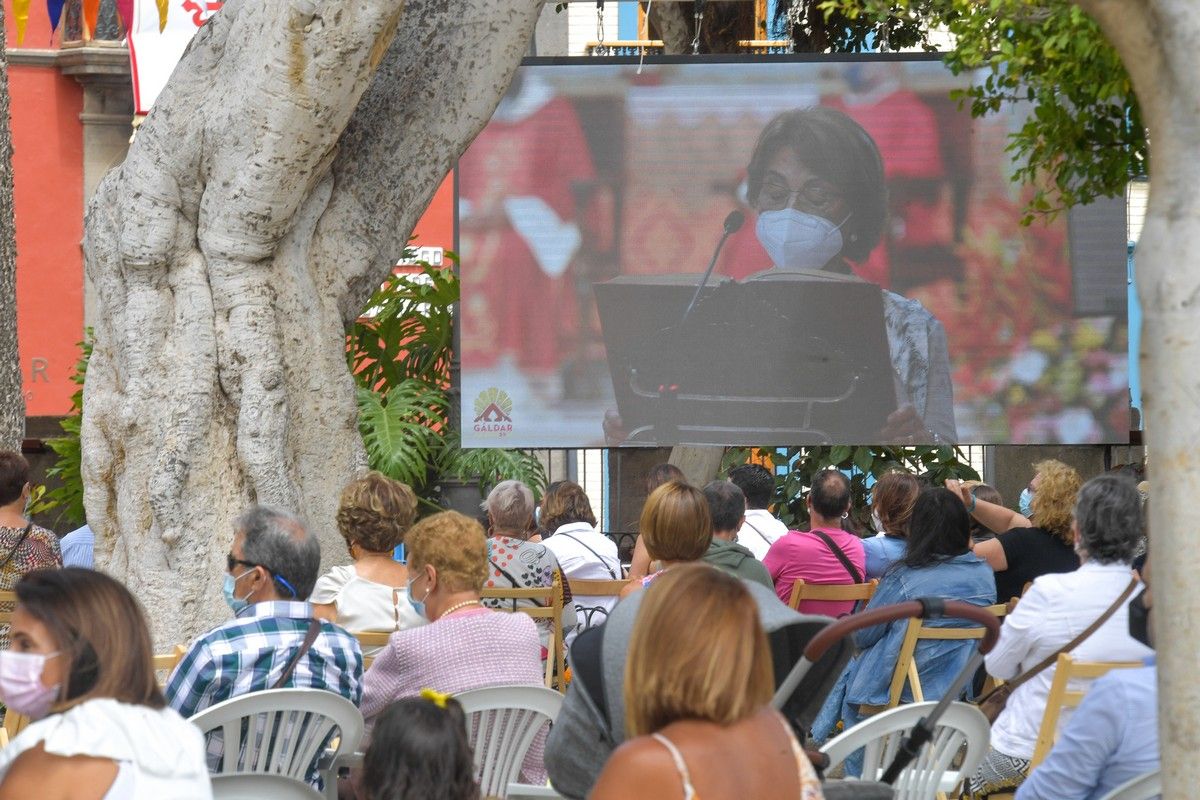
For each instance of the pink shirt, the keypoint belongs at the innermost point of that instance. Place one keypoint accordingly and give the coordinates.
(805, 555)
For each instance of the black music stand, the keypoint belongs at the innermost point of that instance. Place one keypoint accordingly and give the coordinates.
(784, 358)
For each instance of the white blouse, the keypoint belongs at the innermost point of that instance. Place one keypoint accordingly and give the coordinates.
(158, 753)
(364, 605)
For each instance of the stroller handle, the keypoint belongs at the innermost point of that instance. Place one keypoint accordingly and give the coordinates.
(924, 608)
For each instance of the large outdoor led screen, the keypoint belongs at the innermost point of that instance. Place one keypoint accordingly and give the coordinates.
(876, 283)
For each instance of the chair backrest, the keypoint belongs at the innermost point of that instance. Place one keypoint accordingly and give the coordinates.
(1143, 787)
(930, 772)
(547, 604)
(281, 731)
(8, 604)
(593, 615)
(259, 786)
(502, 722)
(14, 723)
(370, 641)
(1062, 695)
(906, 665)
(824, 591)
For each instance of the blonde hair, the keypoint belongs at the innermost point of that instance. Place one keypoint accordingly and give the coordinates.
(893, 498)
(375, 512)
(675, 523)
(719, 671)
(455, 545)
(1053, 503)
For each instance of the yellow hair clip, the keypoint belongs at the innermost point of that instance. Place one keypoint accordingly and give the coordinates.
(437, 698)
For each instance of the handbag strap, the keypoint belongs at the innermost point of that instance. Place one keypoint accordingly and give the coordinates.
(314, 628)
(1078, 640)
(599, 557)
(837, 551)
(17, 546)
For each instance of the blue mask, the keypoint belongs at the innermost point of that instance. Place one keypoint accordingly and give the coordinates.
(234, 602)
(418, 605)
(1027, 502)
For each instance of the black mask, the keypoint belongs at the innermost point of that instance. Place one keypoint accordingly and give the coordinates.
(1139, 619)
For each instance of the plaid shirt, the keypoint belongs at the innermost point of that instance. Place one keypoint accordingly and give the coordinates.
(249, 653)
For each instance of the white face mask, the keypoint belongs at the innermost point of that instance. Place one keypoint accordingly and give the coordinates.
(795, 240)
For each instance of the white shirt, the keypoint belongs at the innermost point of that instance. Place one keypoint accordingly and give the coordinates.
(584, 553)
(1057, 608)
(364, 605)
(760, 531)
(158, 753)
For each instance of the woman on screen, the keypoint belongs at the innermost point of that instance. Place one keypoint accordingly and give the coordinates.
(816, 181)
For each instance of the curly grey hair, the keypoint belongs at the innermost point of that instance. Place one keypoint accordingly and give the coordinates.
(1108, 519)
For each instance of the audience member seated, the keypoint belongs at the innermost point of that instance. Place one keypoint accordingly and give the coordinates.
(1030, 545)
(271, 568)
(24, 546)
(368, 595)
(78, 548)
(1113, 736)
(514, 561)
(938, 562)
(1056, 609)
(989, 494)
(592, 721)
(656, 477)
(825, 554)
(80, 667)
(761, 528)
(892, 499)
(727, 507)
(419, 749)
(675, 526)
(583, 552)
(465, 646)
(697, 700)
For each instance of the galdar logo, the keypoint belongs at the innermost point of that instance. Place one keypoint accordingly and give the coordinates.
(493, 412)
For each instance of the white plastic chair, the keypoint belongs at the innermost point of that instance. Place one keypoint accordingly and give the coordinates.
(282, 731)
(502, 722)
(1143, 787)
(929, 773)
(261, 786)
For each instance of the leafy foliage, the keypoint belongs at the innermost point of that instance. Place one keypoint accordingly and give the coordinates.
(865, 465)
(67, 470)
(1085, 138)
(400, 352)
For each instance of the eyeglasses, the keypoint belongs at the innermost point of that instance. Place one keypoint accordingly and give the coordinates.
(775, 196)
(231, 562)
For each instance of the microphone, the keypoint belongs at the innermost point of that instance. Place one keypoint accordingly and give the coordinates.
(733, 222)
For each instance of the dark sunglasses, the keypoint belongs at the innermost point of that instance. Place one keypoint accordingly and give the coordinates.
(231, 562)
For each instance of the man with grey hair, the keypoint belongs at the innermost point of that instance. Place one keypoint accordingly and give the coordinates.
(514, 562)
(274, 641)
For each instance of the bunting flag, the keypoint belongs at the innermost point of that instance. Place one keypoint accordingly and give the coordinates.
(54, 9)
(158, 33)
(162, 14)
(125, 14)
(21, 17)
(91, 14)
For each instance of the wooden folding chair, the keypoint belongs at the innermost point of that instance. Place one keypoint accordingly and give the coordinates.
(906, 665)
(547, 603)
(836, 592)
(594, 588)
(166, 662)
(1063, 696)
(8, 604)
(371, 641)
(14, 723)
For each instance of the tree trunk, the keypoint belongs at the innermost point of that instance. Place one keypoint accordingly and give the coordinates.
(1159, 41)
(672, 26)
(270, 190)
(12, 396)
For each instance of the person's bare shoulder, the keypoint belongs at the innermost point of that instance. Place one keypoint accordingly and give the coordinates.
(640, 768)
(36, 773)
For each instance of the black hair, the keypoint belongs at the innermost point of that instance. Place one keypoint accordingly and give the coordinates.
(726, 505)
(420, 750)
(939, 530)
(839, 150)
(830, 495)
(14, 474)
(756, 482)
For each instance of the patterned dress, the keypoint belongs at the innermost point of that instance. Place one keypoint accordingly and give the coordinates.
(518, 564)
(38, 550)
